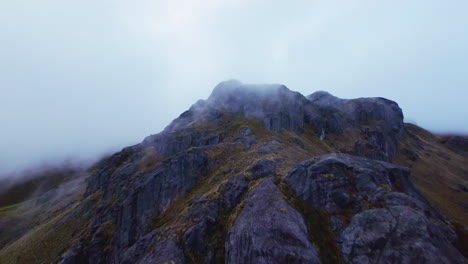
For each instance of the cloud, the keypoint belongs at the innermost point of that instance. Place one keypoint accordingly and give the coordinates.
(84, 77)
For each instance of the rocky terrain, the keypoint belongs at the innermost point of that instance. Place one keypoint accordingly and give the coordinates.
(258, 174)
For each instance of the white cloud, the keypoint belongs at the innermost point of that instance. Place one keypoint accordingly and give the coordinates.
(77, 77)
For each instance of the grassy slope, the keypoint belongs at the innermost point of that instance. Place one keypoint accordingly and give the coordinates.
(438, 172)
(37, 229)
(44, 242)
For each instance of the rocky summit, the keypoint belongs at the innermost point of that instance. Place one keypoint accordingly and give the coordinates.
(256, 174)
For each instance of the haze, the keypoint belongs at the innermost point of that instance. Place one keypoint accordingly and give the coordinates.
(82, 78)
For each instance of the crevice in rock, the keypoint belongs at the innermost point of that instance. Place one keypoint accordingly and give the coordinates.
(318, 226)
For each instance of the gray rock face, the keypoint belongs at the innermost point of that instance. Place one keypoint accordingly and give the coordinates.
(339, 182)
(171, 143)
(154, 192)
(276, 105)
(268, 230)
(164, 251)
(232, 191)
(246, 137)
(391, 222)
(138, 250)
(200, 112)
(269, 147)
(398, 234)
(263, 168)
(378, 120)
(361, 110)
(204, 215)
(168, 247)
(135, 198)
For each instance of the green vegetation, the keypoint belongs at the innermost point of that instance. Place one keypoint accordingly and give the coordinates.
(328, 176)
(386, 187)
(9, 210)
(150, 159)
(434, 174)
(43, 243)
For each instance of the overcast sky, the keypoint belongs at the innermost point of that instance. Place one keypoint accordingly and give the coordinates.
(83, 78)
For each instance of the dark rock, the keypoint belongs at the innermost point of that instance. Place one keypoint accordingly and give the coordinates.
(268, 230)
(263, 168)
(164, 251)
(271, 143)
(397, 234)
(324, 99)
(247, 137)
(134, 199)
(401, 199)
(277, 106)
(138, 250)
(73, 255)
(96, 252)
(200, 112)
(232, 191)
(245, 131)
(392, 221)
(155, 247)
(378, 120)
(462, 187)
(338, 182)
(204, 216)
(168, 144)
(377, 145)
(336, 223)
(269, 147)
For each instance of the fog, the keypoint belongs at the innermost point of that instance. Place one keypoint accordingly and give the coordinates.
(79, 79)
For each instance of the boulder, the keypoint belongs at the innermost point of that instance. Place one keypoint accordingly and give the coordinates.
(232, 191)
(263, 168)
(398, 234)
(268, 230)
(340, 182)
(391, 222)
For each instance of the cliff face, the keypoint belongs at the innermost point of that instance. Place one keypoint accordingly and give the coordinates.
(262, 174)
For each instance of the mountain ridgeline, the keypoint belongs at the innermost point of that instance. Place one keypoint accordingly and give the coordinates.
(261, 174)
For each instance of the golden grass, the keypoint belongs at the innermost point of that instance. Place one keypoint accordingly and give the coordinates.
(437, 173)
(9, 210)
(43, 243)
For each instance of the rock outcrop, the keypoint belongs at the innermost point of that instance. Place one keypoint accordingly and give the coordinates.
(269, 230)
(390, 222)
(377, 122)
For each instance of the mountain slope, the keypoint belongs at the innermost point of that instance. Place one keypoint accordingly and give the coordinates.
(261, 174)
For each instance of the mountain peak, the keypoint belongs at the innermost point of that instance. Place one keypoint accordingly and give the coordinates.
(234, 89)
(279, 108)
